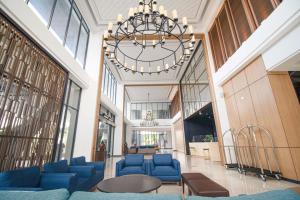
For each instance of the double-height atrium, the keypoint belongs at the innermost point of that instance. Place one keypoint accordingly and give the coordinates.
(149, 99)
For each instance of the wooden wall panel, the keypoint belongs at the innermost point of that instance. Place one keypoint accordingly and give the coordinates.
(179, 135)
(239, 81)
(269, 100)
(228, 89)
(175, 104)
(255, 70)
(266, 112)
(288, 106)
(32, 88)
(296, 155)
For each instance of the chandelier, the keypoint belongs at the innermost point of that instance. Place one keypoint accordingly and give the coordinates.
(147, 29)
(149, 120)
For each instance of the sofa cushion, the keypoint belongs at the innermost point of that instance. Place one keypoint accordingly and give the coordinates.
(78, 161)
(60, 194)
(57, 167)
(122, 196)
(134, 159)
(164, 171)
(274, 195)
(132, 170)
(24, 177)
(162, 159)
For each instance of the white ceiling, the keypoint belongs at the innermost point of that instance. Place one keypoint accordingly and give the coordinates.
(103, 11)
(98, 13)
(156, 93)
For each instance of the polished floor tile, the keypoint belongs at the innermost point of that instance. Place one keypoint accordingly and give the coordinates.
(236, 183)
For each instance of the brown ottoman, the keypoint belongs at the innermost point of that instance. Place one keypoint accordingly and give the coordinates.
(207, 188)
(201, 185)
(191, 176)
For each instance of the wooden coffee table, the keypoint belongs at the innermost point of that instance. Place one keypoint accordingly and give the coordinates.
(130, 184)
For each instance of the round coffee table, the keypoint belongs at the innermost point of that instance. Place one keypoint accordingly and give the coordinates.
(130, 184)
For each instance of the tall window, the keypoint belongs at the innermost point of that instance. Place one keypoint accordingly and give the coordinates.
(194, 84)
(68, 122)
(160, 110)
(65, 21)
(109, 84)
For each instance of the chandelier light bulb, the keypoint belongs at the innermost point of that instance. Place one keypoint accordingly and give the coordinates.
(154, 8)
(147, 10)
(134, 41)
(163, 40)
(144, 43)
(175, 15)
(110, 27)
(125, 65)
(167, 66)
(141, 9)
(184, 22)
(105, 35)
(104, 45)
(133, 67)
(130, 13)
(141, 2)
(107, 51)
(158, 68)
(119, 19)
(171, 24)
(165, 13)
(161, 11)
(135, 11)
(193, 40)
(126, 25)
(154, 2)
(142, 69)
(191, 30)
(191, 46)
(153, 43)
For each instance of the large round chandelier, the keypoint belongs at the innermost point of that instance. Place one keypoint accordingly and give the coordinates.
(147, 29)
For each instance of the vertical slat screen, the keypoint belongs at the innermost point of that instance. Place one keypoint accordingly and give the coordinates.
(31, 92)
(227, 33)
(261, 9)
(216, 45)
(237, 20)
(240, 20)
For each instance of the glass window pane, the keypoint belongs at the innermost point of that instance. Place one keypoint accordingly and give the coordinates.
(82, 45)
(60, 18)
(73, 30)
(74, 96)
(42, 9)
(68, 134)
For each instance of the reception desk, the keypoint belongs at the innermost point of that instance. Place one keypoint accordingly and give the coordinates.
(208, 150)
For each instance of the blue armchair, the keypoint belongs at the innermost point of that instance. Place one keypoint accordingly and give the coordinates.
(99, 167)
(132, 164)
(87, 177)
(165, 168)
(31, 179)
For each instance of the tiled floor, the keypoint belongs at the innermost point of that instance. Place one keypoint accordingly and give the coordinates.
(230, 179)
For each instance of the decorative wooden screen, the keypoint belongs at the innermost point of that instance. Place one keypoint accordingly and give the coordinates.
(31, 93)
(216, 46)
(237, 20)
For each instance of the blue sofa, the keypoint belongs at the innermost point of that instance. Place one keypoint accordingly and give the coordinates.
(63, 194)
(80, 161)
(132, 164)
(87, 176)
(164, 167)
(31, 179)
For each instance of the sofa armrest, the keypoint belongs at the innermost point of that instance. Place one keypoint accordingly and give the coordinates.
(83, 171)
(58, 180)
(98, 165)
(119, 166)
(176, 165)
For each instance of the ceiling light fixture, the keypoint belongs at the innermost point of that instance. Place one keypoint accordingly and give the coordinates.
(149, 26)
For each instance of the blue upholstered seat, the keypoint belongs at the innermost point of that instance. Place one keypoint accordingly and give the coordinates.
(132, 164)
(60, 194)
(87, 176)
(31, 179)
(164, 167)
